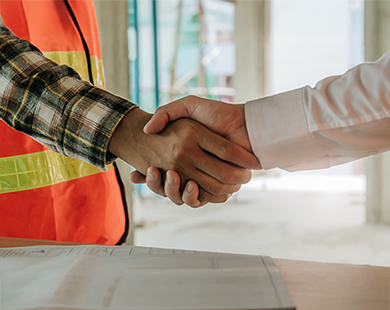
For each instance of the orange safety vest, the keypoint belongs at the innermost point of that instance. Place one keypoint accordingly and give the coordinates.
(44, 195)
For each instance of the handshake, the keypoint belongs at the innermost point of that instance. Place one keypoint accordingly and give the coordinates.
(193, 150)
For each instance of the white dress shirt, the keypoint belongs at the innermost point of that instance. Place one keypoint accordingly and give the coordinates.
(341, 119)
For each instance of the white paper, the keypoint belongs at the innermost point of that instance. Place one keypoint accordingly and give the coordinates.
(126, 277)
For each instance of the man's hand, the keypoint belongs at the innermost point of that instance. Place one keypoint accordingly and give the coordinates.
(227, 120)
(171, 188)
(188, 148)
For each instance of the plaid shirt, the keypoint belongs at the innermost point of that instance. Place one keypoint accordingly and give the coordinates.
(53, 105)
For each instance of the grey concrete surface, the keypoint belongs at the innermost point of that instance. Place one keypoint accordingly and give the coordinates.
(312, 225)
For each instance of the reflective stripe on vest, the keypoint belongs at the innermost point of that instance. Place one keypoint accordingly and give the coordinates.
(77, 60)
(35, 170)
(45, 195)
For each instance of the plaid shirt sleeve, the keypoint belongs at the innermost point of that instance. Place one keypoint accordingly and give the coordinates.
(53, 105)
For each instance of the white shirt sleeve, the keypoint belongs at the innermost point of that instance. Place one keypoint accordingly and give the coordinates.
(341, 119)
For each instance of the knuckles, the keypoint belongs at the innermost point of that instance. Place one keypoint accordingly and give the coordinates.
(205, 197)
(229, 177)
(247, 176)
(236, 176)
(189, 128)
(220, 189)
(227, 151)
(190, 98)
(217, 189)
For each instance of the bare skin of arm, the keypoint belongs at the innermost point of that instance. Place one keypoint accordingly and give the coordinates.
(224, 119)
(188, 148)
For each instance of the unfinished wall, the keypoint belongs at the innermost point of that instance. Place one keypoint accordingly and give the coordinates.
(252, 42)
(112, 18)
(377, 168)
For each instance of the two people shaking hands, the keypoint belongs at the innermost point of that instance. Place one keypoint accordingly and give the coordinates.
(342, 118)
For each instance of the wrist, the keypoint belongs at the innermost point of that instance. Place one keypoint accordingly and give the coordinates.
(128, 138)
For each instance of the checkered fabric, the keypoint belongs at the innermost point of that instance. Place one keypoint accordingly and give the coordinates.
(53, 105)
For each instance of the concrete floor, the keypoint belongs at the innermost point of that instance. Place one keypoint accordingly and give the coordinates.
(282, 222)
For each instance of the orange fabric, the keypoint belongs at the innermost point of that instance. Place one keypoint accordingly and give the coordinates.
(48, 25)
(14, 143)
(19, 24)
(88, 209)
(85, 14)
(81, 210)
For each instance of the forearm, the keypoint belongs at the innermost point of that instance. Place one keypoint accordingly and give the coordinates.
(130, 143)
(53, 105)
(341, 119)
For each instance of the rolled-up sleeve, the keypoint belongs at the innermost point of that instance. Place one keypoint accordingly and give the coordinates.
(341, 119)
(53, 105)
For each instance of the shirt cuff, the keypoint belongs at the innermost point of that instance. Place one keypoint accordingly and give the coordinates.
(278, 131)
(108, 156)
(91, 123)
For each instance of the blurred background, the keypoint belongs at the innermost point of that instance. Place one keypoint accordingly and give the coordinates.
(155, 51)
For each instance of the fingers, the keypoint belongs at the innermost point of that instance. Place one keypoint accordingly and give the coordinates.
(207, 178)
(192, 195)
(191, 156)
(197, 154)
(172, 187)
(137, 178)
(158, 121)
(181, 108)
(205, 196)
(223, 171)
(230, 152)
(154, 181)
(166, 114)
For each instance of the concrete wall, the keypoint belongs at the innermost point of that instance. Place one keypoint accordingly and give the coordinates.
(113, 23)
(377, 168)
(252, 41)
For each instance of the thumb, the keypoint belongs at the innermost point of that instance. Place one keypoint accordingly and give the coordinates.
(137, 177)
(165, 115)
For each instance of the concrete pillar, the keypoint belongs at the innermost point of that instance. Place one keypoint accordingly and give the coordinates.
(112, 18)
(252, 42)
(377, 168)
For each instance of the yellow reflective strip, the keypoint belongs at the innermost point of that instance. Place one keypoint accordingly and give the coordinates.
(78, 61)
(31, 171)
(97, 72)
